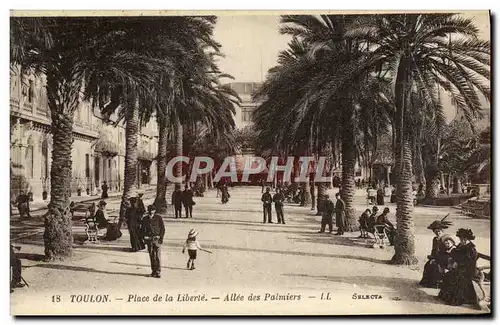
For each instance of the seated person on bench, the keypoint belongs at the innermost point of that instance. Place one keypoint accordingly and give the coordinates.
(363, 223)
(100, 215)
(372, 220)
(389, 227)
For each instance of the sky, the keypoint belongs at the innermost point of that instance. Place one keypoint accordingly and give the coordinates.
(251, 44)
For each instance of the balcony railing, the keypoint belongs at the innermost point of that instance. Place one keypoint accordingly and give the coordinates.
(14, 103)
(27, 106)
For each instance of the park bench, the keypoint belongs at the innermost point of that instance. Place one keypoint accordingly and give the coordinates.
(482, 284)
(79, 210)
(380, 236)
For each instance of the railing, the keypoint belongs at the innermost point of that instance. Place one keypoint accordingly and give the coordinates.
(27, 106)
(15, 103)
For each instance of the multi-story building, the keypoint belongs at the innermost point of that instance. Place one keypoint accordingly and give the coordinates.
(243, 116)
(98, 152)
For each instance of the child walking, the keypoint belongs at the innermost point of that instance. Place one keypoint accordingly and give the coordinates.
(192, 246)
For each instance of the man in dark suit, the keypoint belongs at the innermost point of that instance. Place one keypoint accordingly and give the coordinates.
(177, 201)
(266, 201)
(154, 230)
(187, 201)
(327, 212)
(278, 199)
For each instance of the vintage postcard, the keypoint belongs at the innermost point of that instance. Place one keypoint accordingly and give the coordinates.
(250, 163)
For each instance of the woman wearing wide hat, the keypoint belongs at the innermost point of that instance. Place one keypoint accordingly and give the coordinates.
(435, 267)
(457, 288)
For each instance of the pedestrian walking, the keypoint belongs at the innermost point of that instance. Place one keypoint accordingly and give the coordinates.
(153, 229)
(219, 190)
(225, 194)
(327, 216)
(340, 215)
(187, 201)
(177, 201)
(266, 201)
(278, 200)
(380, 196)
(192, 246)
(104, 188)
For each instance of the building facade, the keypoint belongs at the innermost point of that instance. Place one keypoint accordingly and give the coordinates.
(98, 152)
(243, 116)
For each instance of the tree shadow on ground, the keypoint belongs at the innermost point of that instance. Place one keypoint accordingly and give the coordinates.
(240, 210)
(83, 269)
(335, 240)
(98, 246)
(31, 256)
(214, 221)
(279, 229)
(404, 289)
(285, 252)
(144, 265)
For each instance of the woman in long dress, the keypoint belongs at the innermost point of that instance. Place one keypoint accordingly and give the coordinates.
(457, 288)
(133, 224)
(435, 267)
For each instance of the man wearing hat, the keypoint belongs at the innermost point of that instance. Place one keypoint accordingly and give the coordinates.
(266, 202)
(327, 215)
(177, 201)
(435, 267)
(187, 201)
(154, 230)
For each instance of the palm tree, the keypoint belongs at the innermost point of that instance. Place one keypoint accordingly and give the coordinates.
(173, 52)
(54, 47)
(333, 53)
(420, 54)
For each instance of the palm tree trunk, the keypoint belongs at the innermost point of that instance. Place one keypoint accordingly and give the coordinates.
(348, 186)
(313, 196)
(178, 147)
(456, 184)
(63, 95)
(404, 242)
(432, 182)
(322, 188)
(131, 139)
(161, 187)
(306, 193)
(405, 234)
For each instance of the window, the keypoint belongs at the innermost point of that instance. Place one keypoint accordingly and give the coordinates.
(87, 165)
(28, 158)
(45, 158)
(31, 91)
(246, 114)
